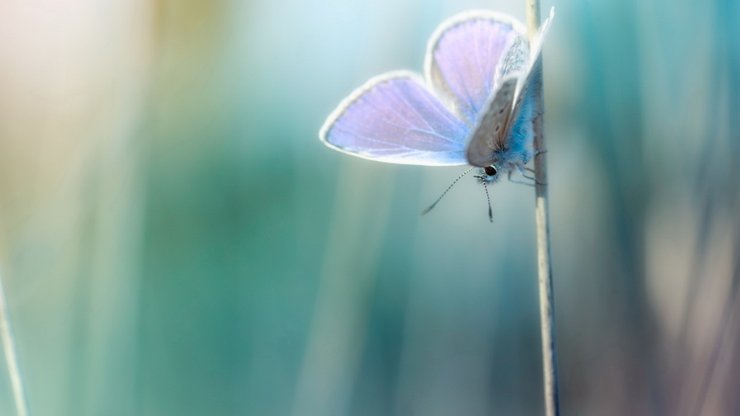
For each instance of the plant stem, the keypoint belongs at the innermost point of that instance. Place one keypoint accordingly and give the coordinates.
(11, 358)
(544, 265)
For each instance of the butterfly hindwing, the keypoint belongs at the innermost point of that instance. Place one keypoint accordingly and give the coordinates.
(394, 118)
(534, 59)
(522, 109)
(515, 61)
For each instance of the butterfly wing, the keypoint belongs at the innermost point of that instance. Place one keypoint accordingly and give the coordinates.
(394, 118)
(488, 131)
(534, 58)
(493, 123)
(506, 121)
(463, 56)
(520, 122)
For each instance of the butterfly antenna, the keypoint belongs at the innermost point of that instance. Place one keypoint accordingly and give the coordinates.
(445, 192)
(488, 198)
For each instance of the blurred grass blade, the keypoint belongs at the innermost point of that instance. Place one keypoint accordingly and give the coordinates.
(11, 356)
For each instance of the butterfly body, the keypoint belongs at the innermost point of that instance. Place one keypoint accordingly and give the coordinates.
(472, 107)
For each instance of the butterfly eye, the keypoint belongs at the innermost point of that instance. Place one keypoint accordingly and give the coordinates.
(490, 170)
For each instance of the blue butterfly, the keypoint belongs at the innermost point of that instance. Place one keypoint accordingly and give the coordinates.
(472, 107)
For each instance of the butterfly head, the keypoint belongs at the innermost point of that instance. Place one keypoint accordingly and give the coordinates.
(488, 174)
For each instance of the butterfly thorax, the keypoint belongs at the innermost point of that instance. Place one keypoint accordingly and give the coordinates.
(513, 158)
(505, 162)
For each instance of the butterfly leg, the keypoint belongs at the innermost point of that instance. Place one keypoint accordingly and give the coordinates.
(512, 180)
(522, 169)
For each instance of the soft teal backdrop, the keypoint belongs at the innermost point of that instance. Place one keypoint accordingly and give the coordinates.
(174, 239)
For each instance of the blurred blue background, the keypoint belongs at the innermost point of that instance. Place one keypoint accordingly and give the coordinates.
(175, 240)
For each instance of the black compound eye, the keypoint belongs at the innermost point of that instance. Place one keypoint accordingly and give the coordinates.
(490, 170)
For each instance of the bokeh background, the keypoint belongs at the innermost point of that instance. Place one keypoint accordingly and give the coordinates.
(174, 240)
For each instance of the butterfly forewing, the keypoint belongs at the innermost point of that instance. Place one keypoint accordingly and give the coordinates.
(394, 118)
(512, 130)
(489, 133)
(463, 56)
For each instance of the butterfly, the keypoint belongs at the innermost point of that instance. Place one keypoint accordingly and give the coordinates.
(473, 106)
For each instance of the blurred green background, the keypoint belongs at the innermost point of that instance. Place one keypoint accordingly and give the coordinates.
(174, 239)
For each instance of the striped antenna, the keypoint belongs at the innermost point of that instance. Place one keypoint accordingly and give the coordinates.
(446, 190)
(488, 198)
